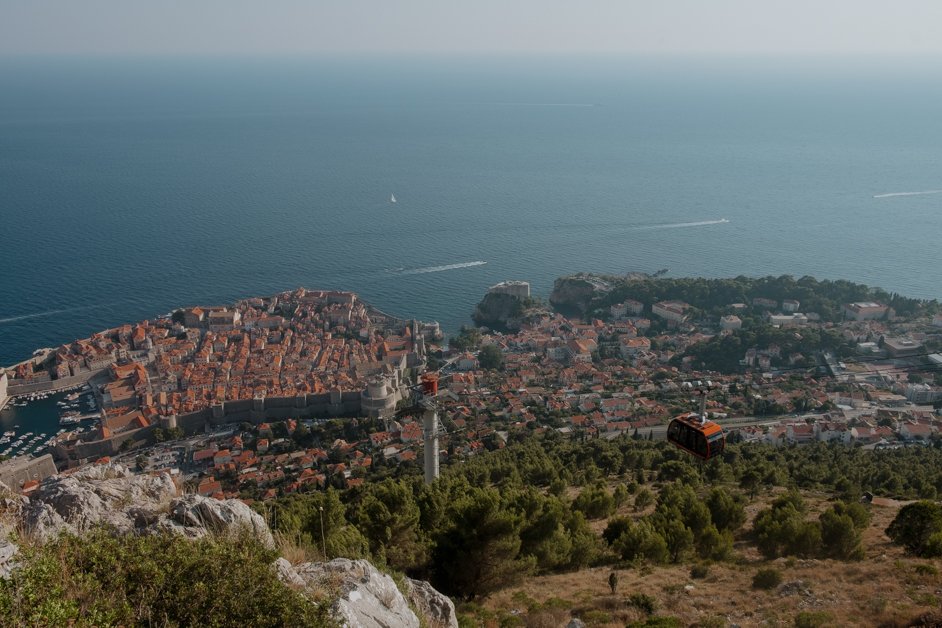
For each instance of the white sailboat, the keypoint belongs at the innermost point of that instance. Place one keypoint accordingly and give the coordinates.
(392, 198)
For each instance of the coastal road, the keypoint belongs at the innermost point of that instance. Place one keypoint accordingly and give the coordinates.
(659, 432)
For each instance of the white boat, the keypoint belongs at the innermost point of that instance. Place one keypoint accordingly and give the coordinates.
(392, 198)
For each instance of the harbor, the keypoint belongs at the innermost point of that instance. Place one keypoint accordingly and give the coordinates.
(30, 423)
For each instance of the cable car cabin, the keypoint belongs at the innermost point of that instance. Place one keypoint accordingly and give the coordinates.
(703, 439)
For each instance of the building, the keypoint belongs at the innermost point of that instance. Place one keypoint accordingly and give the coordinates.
(15, 473)
(799, 433)
(672, 311)
(763, 302)
(916, 431)
(619, 310)
(635, 308)
(224, 320)
(923, 393)
(633, 347)
(865, 311)
(627, 308)
(730, 322)
(790, 305)
(519, 289)
(900, 347)
(580, 351)
(380, 397)
(869, 348)
(788, 320)
(193, 317)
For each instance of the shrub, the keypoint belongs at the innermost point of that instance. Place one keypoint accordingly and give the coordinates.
(917, 528)
(812, 619)
(840, 538)
(596, 617)
(698, 572)
(620, 495)
(767, 578)
(856, 511)
(925, 569)
(715, 545)
(782, 530)
(104, 579)
(642, 541)
(657, 622)
(726, 511)
(615, 528)
(643, 602)
(643, 499)
(595, 502)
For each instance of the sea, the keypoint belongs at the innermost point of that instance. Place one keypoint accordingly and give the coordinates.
(130, 187)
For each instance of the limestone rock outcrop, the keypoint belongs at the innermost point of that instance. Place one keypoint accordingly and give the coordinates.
(200, 515)
(96, 495)
(367, 598)
(438, 609)
(113, 496)
(8, 550)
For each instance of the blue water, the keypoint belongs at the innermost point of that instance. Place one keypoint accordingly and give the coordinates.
(128, 188)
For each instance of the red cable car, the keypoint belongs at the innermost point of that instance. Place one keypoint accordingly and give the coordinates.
(700, 437)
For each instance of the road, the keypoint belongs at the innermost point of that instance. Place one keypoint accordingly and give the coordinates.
(659, 432)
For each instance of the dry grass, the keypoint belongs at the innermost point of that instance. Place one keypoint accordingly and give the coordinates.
(294, 549)
(888, 588)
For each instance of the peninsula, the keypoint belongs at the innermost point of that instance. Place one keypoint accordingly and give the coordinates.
(297, 354)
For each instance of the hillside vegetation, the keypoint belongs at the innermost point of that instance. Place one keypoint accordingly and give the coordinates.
(713, 296)
(550, 506)
(165, 580)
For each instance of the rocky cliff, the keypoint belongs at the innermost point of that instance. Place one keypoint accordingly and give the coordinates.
(505, 312)
(127, 503)
(584, 292)
(576, 293)
(498, 311)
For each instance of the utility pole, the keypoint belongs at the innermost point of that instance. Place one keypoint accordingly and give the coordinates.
(323, 536)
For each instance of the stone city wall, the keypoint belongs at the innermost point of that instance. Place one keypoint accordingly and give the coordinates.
(255, 411)
(16, 388)
(14, 473)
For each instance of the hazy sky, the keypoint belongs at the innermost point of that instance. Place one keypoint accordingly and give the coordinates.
(478, 26)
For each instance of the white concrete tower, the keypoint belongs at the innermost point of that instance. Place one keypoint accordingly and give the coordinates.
(430, 430)
(430, 425)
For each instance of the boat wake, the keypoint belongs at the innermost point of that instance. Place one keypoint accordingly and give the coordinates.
(547, 104)
(892, 194)
(685, 225)
(433, 269)
(11, 319)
